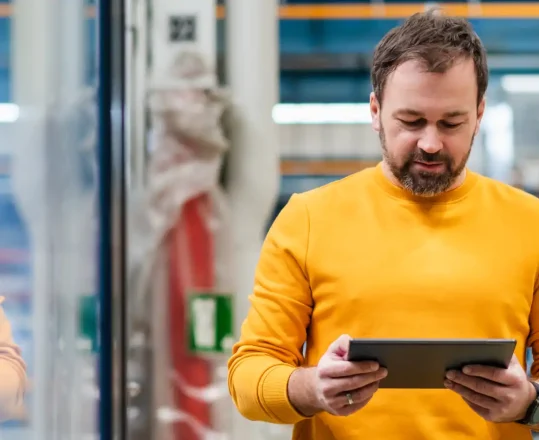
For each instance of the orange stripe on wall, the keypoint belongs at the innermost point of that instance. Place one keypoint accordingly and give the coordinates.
(318, 12)
(6, 10)
(220, 12)
(366, 11)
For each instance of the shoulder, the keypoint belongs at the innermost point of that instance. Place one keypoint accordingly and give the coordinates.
(510, 198)
(336, 193)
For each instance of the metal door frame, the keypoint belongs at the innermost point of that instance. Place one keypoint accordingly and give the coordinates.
(112, 211)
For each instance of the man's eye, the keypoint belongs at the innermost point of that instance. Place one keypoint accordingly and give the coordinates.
(449, 125)
(414, 123)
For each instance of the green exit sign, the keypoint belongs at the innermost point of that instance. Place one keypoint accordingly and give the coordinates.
(211, 326)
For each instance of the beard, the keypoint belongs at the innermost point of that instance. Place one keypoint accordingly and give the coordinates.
(424, 183)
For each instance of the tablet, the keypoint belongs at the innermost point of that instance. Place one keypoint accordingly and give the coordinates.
(422, 363)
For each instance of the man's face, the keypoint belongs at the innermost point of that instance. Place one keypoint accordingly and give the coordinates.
(427, 123)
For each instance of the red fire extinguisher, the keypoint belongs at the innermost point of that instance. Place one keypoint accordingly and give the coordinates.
(191, 268)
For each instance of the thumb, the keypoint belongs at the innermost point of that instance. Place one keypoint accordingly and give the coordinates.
(339, 347)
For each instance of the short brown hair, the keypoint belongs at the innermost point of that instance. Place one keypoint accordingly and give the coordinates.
(435, 40)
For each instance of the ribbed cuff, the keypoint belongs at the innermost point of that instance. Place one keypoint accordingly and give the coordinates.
(273, 394)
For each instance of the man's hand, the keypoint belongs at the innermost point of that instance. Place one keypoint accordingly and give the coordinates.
(496, 394)
(336, 377)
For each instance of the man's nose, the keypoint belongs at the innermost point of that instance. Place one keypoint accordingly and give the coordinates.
(430, 141)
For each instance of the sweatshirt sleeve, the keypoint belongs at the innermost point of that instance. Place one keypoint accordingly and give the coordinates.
(533, 339)
(275, 330)
(12, 372)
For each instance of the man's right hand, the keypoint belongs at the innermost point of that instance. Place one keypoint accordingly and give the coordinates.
(336, 377)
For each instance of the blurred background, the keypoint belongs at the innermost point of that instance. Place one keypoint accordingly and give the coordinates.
(146, 146)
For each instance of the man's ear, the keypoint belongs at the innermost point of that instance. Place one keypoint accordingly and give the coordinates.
(375, 112)
(480, 113)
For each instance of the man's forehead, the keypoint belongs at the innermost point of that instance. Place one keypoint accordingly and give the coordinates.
(412, 91)
(416, 67)
(412, 77)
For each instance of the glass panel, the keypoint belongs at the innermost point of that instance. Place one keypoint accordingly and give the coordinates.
(48, 212)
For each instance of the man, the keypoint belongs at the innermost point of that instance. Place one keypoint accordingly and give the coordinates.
(416, 247)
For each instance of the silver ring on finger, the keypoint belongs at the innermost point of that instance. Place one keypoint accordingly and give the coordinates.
(350, 399)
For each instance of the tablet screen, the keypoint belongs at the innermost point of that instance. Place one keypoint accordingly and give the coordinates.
(423, 363)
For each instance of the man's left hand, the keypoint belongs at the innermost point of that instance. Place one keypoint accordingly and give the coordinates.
(496, 394)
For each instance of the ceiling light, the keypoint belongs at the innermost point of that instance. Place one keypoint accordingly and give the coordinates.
(8, 112)
(322, 113)
(520, 83)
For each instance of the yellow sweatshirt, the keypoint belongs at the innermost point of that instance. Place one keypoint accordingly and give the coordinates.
(363, 257)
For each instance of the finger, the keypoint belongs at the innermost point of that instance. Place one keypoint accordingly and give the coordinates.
(343, 385)
(362, 380)
(350, 409)
(339, 347)
(359, 395)
(505, 376)
(472, 396)
(483, 412)
(360, 398)
(335, 369)
(498, 375)
(478, 384)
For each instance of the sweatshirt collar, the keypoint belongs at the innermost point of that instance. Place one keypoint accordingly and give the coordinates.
(445, 197)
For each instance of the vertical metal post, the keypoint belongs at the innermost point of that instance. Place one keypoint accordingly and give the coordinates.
(252, 71)
(112, 201)
(136, 79)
